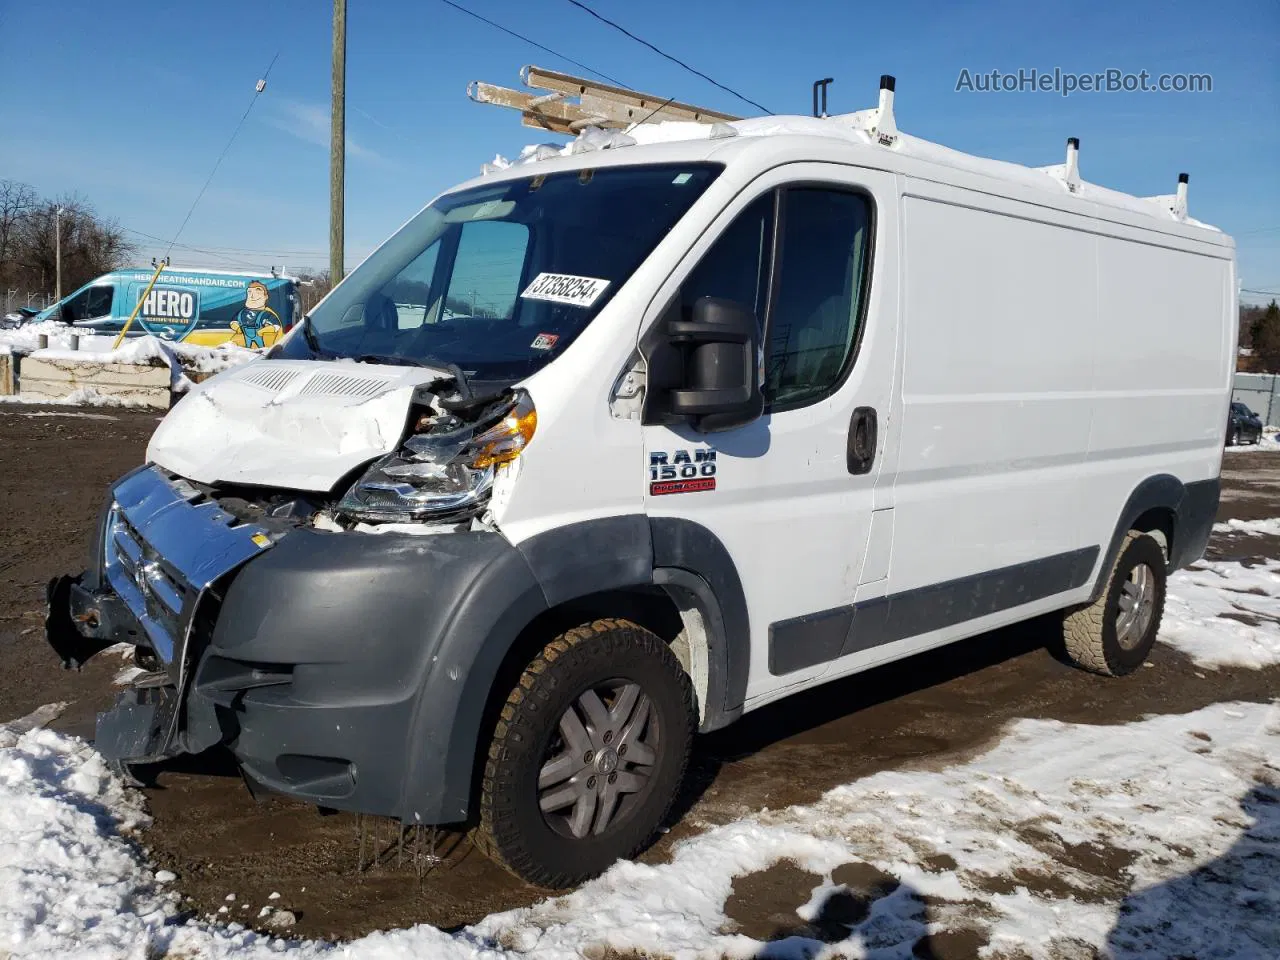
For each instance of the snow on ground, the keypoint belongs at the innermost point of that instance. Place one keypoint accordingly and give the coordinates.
(153, 351)
(1222, 613)
(68, 413)
(26, 338)
(1188, 806)
(1270, 527)
(1148, 840)
(1268, 443)
(80, 397)
(180, 358)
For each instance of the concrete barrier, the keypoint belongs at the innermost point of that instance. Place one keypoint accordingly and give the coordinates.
(55, 378)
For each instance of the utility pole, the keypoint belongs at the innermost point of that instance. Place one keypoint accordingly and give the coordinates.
(338, 146)
(57, 240)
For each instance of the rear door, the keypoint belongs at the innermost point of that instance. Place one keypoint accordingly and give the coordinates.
(810, 248)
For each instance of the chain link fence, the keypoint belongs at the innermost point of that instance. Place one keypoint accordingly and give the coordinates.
(13, 299)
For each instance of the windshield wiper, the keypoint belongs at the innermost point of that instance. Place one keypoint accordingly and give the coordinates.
(313, 341)
(395, 360)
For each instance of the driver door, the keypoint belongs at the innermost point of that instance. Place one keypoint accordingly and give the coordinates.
(806, 250)
(91, 307)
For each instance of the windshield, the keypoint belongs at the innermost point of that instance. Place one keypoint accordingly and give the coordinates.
(500, 279)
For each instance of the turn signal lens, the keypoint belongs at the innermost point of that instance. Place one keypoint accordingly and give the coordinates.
(503, 442)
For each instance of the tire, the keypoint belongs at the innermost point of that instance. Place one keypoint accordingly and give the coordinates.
(1234, 439)
(533, 764)
(1093, 635)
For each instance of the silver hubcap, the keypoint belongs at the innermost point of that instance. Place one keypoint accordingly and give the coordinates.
(606, 750)
(1137, 603)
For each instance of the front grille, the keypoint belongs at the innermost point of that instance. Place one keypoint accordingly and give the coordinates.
(160, 598)
(165, 545)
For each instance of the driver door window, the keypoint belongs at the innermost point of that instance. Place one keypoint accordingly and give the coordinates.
(817, 308)
(91, 304)
(99, 303)
(811, 318)
(737, 265)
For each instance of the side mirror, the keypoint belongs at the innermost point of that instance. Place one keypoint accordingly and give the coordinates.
(720, 385)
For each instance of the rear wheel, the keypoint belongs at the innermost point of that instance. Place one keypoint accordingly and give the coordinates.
(1234, 439)
(1115, 633)
(588, 754)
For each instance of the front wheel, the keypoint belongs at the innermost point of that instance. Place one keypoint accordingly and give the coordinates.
(1115, 633)
(588, 754)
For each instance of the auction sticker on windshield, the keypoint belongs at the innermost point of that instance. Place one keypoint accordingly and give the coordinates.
(565, 288)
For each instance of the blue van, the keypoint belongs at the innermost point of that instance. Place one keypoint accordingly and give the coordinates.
(205, 307)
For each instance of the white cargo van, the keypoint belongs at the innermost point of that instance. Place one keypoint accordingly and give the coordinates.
(606, 449)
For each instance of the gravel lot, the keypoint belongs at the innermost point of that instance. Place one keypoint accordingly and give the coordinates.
(925, 713)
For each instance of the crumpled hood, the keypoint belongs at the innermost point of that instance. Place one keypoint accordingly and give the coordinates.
(300, 424)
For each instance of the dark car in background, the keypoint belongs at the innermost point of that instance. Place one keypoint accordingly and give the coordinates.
(1243, 425)
(11, 321)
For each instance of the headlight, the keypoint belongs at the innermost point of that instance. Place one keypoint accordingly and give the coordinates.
(503, 441)
(447, 468)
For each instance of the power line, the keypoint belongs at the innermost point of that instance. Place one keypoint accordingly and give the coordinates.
(535, 43)
(663, 53)
(1265, 293)
(257, 92)
(218, 251)
(168, 246)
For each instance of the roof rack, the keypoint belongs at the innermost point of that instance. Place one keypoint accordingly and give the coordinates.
(571, 104)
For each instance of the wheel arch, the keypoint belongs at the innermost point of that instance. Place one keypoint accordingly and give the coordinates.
(1179, 514)
(671, 576)
(584, 566)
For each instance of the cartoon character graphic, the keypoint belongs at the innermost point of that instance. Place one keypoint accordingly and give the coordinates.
(255, 316)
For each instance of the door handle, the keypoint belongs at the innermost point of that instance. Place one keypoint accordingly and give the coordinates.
(860, 453)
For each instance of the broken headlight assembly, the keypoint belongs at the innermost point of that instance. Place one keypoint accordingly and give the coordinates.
(446, 467)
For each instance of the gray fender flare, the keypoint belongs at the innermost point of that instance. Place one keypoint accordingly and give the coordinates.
(1193, 506)
(552, 568)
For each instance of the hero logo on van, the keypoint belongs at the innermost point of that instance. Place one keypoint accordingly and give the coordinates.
(170, 303)
(682, 471)
(565, 288)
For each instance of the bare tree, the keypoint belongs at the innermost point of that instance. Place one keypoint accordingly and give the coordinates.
(17, 200)
(313, 288)
(91, 245)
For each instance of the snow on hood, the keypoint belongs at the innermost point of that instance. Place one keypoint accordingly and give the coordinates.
(300, 424)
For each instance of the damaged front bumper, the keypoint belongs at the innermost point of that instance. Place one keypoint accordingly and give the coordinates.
(351, 670)
(161, 550)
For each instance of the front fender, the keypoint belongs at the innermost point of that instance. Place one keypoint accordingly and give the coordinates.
(402, 633)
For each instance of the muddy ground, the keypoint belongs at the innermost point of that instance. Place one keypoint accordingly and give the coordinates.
(208, 830)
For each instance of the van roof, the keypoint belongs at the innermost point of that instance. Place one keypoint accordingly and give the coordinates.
(842, 137)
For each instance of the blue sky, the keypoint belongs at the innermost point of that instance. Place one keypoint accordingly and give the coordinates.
(131, 108)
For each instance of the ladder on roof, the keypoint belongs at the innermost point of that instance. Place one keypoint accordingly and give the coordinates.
(570, 104)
